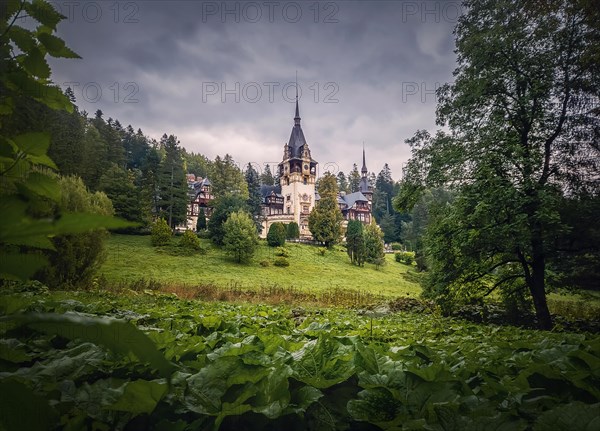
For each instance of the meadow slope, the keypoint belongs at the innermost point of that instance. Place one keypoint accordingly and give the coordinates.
(131, 258)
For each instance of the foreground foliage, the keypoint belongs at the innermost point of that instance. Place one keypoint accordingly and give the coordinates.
(192, 365)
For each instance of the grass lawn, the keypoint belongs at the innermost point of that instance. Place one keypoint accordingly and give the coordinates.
(131, 258)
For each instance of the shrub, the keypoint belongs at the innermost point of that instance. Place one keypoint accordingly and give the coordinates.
(189, 240)
(264, 263)
(405, 257)
(378, 262)
(281, 261)
(293, 231)
(76, 257)
(204, 234)
(282, 251)
(276, 235)
(396, 246)
(161, 233)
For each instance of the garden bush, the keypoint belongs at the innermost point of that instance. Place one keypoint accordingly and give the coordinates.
(161, 233)
(190, 240)
(282, 251)
(405, 257)
(281, 261)
(276, 235)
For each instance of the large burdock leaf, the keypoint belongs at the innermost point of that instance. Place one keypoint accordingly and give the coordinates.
(140, 396)
(573, 416)
(118, 336)
(324, 362)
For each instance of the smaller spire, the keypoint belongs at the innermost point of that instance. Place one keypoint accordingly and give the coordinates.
(364, 169)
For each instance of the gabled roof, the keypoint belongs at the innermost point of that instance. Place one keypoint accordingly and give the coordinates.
(352, 198)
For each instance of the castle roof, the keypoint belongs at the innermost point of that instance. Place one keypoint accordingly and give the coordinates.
(364, 185)
(297, 141)
(266, 190)
(352, 198)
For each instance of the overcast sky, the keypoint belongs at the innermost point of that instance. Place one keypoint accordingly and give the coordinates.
(221, 76)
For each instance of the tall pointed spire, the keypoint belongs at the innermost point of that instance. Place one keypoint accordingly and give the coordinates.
(364, 169)
(297, 117)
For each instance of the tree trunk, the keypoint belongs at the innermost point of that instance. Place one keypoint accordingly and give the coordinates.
(537, 283)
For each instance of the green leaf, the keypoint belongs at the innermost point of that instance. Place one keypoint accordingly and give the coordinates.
(14, 229)
(13, 350)
(301, 398)
(44, 13)
(43, 160)
(43, 185)
(56, 46)
(22, 409)
(324, 362)
(34, 143)
(573, 416)
(35, 63)
(20, 266)
(51, 96)
(119, 336)
(140, 396)
(12, 7)
(375, 405)
(83, 222)
(24, 39)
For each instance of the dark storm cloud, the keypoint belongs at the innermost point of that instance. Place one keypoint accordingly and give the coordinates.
(366, 70)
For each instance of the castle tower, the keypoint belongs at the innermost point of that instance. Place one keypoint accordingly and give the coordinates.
(364, 186)
(297, 176)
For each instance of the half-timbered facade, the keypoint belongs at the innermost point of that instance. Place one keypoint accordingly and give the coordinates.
(200, 199)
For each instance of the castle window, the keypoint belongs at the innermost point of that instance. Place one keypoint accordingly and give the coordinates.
(305, 181)
(287, 198)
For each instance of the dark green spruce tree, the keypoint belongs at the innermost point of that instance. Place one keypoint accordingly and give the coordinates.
(254, 196)
(173, 194)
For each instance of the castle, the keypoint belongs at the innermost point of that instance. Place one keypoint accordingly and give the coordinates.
(295, 196)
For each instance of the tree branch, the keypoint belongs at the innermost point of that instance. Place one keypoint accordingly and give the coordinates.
(504, 280)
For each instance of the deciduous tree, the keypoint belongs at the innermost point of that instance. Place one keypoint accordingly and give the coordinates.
(223, 207)
(523, 134)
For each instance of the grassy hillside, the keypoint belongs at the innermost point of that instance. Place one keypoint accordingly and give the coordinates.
(131, 258)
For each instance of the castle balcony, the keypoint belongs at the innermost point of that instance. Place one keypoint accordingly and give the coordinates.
(281, 217)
